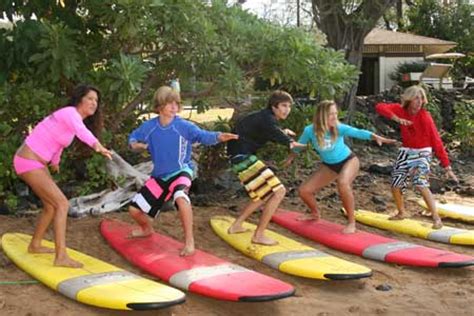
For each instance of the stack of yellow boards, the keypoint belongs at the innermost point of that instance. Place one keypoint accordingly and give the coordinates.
(460, 212)
(289, 256)
(449, 235)
(97, 283)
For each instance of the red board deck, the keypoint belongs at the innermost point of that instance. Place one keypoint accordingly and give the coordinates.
(201, 273)
(370, 245)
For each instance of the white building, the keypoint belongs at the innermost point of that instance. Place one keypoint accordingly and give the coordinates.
(385, 50)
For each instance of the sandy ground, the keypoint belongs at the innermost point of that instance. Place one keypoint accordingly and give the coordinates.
(415, 291)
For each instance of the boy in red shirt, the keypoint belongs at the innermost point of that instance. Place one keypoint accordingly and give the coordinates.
(419, 137)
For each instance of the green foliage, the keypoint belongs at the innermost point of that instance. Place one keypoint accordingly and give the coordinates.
(434, 107)
(7, 175)
(213, 158)
(129, 48)
(452, 22)
(404, 68)
(359, 120)
(200, 105)
(464, 124)
(122, 78)
(58, 56)
(464, 67)
(97, 178)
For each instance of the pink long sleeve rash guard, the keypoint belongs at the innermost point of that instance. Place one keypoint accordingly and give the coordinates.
(56, 132)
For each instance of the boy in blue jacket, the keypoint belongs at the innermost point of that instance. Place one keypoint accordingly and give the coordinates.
(168, 138)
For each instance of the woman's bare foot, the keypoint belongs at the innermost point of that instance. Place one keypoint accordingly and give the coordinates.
(67, 263)
(237, 230)
(309, 217)
(187, 251)
(263, 240)
(349, 229)
(397, 217)
(140, 233)
(437, 224)
(39, 249)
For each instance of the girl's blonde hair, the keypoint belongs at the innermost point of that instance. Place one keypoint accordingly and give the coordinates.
(320, 122)
(165, 95)
(412, 93)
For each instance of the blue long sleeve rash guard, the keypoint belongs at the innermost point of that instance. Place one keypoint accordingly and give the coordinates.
(170, 146)
(332, 153)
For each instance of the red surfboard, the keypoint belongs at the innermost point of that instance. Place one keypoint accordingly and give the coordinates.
(200, 273)
(369, 245)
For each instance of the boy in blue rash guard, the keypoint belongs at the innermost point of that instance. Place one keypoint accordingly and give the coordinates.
(168, 138)
(326, 136)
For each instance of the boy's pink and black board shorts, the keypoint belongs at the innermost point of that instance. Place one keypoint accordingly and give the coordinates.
(156, 192)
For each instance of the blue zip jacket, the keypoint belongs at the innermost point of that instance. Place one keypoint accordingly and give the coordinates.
(170, 146)
(332, 153)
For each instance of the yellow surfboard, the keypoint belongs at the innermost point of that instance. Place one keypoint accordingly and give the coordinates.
(460, 212)
(97, 283)
(289, 256)
(449, 235)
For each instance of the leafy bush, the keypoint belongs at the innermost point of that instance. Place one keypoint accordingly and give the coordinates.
(213, 158)
(464, 125)
(359, 119)
(404, 68)
(132, 48)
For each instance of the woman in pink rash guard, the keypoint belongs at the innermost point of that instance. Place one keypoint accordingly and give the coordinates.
(44, 146)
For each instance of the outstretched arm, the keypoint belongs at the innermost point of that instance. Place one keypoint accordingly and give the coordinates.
(380, 140)
(102, 150)
(225, 137)
(138, 147)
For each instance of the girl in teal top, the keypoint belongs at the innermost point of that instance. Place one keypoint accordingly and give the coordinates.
(333, 152)
(326, 136)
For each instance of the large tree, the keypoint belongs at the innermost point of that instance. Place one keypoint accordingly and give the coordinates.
(130, 47)
(346, 23)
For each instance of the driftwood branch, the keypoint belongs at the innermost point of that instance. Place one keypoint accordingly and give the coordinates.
(112, 200)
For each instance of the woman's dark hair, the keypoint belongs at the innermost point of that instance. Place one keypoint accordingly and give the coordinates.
(93, 122)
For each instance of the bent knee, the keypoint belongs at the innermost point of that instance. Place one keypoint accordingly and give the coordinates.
(344, 185)
(181, 197)
(132, 210)
(421, 188)
(280, 192)
(61, 204)
(304, 190)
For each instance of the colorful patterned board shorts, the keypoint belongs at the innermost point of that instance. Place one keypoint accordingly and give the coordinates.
(259, 181)
(414, 164)
(156, 192)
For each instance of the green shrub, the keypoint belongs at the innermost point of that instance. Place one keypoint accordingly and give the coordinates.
(464, 124)
(404, 68)
(213, 158)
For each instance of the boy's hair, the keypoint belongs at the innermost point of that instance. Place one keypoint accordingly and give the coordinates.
(165, 95)
(277, 97)
(411, 93)
(320, 122)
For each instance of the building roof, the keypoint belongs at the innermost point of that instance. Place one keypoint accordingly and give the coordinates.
(384, 37)
(380, 41)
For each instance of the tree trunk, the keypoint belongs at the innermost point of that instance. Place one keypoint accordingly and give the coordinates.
(346, 26)
(400, 23)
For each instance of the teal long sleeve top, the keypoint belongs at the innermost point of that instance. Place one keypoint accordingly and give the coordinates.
(332, 152)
